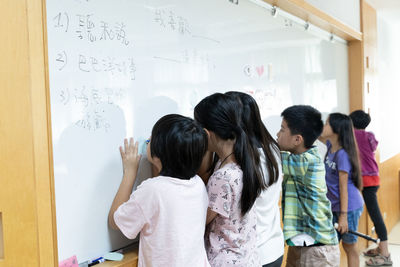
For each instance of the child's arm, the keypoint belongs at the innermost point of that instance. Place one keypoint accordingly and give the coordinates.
(130, 162)
(210, 215)
(372, 141)
(344, 198)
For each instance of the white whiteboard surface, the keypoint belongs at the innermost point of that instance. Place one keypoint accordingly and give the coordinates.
(118, 66)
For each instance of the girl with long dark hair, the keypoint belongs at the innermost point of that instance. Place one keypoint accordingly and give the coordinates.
(234, 185)
(343, 179)
(270, 242)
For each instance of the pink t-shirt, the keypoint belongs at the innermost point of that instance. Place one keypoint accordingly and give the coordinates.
(170, 215)
(367, 144)
(231, 239)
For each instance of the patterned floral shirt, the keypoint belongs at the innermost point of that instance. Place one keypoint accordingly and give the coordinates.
(230, 238)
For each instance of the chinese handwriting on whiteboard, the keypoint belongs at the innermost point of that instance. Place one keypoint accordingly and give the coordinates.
(87, 27)
(92, 102)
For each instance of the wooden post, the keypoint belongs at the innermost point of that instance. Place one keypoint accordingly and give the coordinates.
(26, 198)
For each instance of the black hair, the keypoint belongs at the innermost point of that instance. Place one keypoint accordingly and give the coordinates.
(304, 120)
(221, 114)
(258, 135)
(180, 143)
(342, 126)
(360, 119)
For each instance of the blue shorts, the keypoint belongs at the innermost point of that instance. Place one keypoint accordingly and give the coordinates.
(352, 220)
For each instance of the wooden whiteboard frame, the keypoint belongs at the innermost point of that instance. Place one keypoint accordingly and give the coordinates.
(37, 246)
(46, 210)
(317, 17)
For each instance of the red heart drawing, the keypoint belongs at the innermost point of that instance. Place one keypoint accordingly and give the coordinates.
(260, 70)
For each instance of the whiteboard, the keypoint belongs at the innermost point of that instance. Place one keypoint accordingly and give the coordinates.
(115, 67)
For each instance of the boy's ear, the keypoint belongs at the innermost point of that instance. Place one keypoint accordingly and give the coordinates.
(298, 139)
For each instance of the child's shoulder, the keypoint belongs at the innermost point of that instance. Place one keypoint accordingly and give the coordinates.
(341, 153)
(228, 173)
(161, 181)
(312, 153)
(156, 185)
(310, 156)
(228, 168)
(155, 182)
(361, 132)
(370, 134)
(148, 184)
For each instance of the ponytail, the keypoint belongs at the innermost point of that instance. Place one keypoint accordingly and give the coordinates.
(253, 182)
(259, 137)
(222, 114)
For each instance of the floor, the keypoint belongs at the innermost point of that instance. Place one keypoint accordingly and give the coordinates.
(394, 247)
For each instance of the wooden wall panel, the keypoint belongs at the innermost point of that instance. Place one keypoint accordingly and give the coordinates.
(356, 75)
(17, 191)
(388, 194)
(369, 25)
(1, 238)
(389, 191)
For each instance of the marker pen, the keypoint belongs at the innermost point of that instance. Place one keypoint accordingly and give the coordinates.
(96, 261)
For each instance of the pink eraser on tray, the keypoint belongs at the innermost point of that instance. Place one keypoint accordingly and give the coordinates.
(70, 262)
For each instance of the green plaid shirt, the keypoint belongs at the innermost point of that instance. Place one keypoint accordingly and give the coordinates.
(305, 206)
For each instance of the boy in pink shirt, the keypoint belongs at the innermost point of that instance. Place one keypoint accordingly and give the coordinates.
(169, 210)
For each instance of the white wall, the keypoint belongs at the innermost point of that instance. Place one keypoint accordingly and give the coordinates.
(388, 84)
(346, 11)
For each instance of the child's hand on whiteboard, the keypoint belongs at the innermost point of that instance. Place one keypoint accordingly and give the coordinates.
(130, 157)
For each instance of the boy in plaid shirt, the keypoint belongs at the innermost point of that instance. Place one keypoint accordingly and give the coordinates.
(306, 210)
